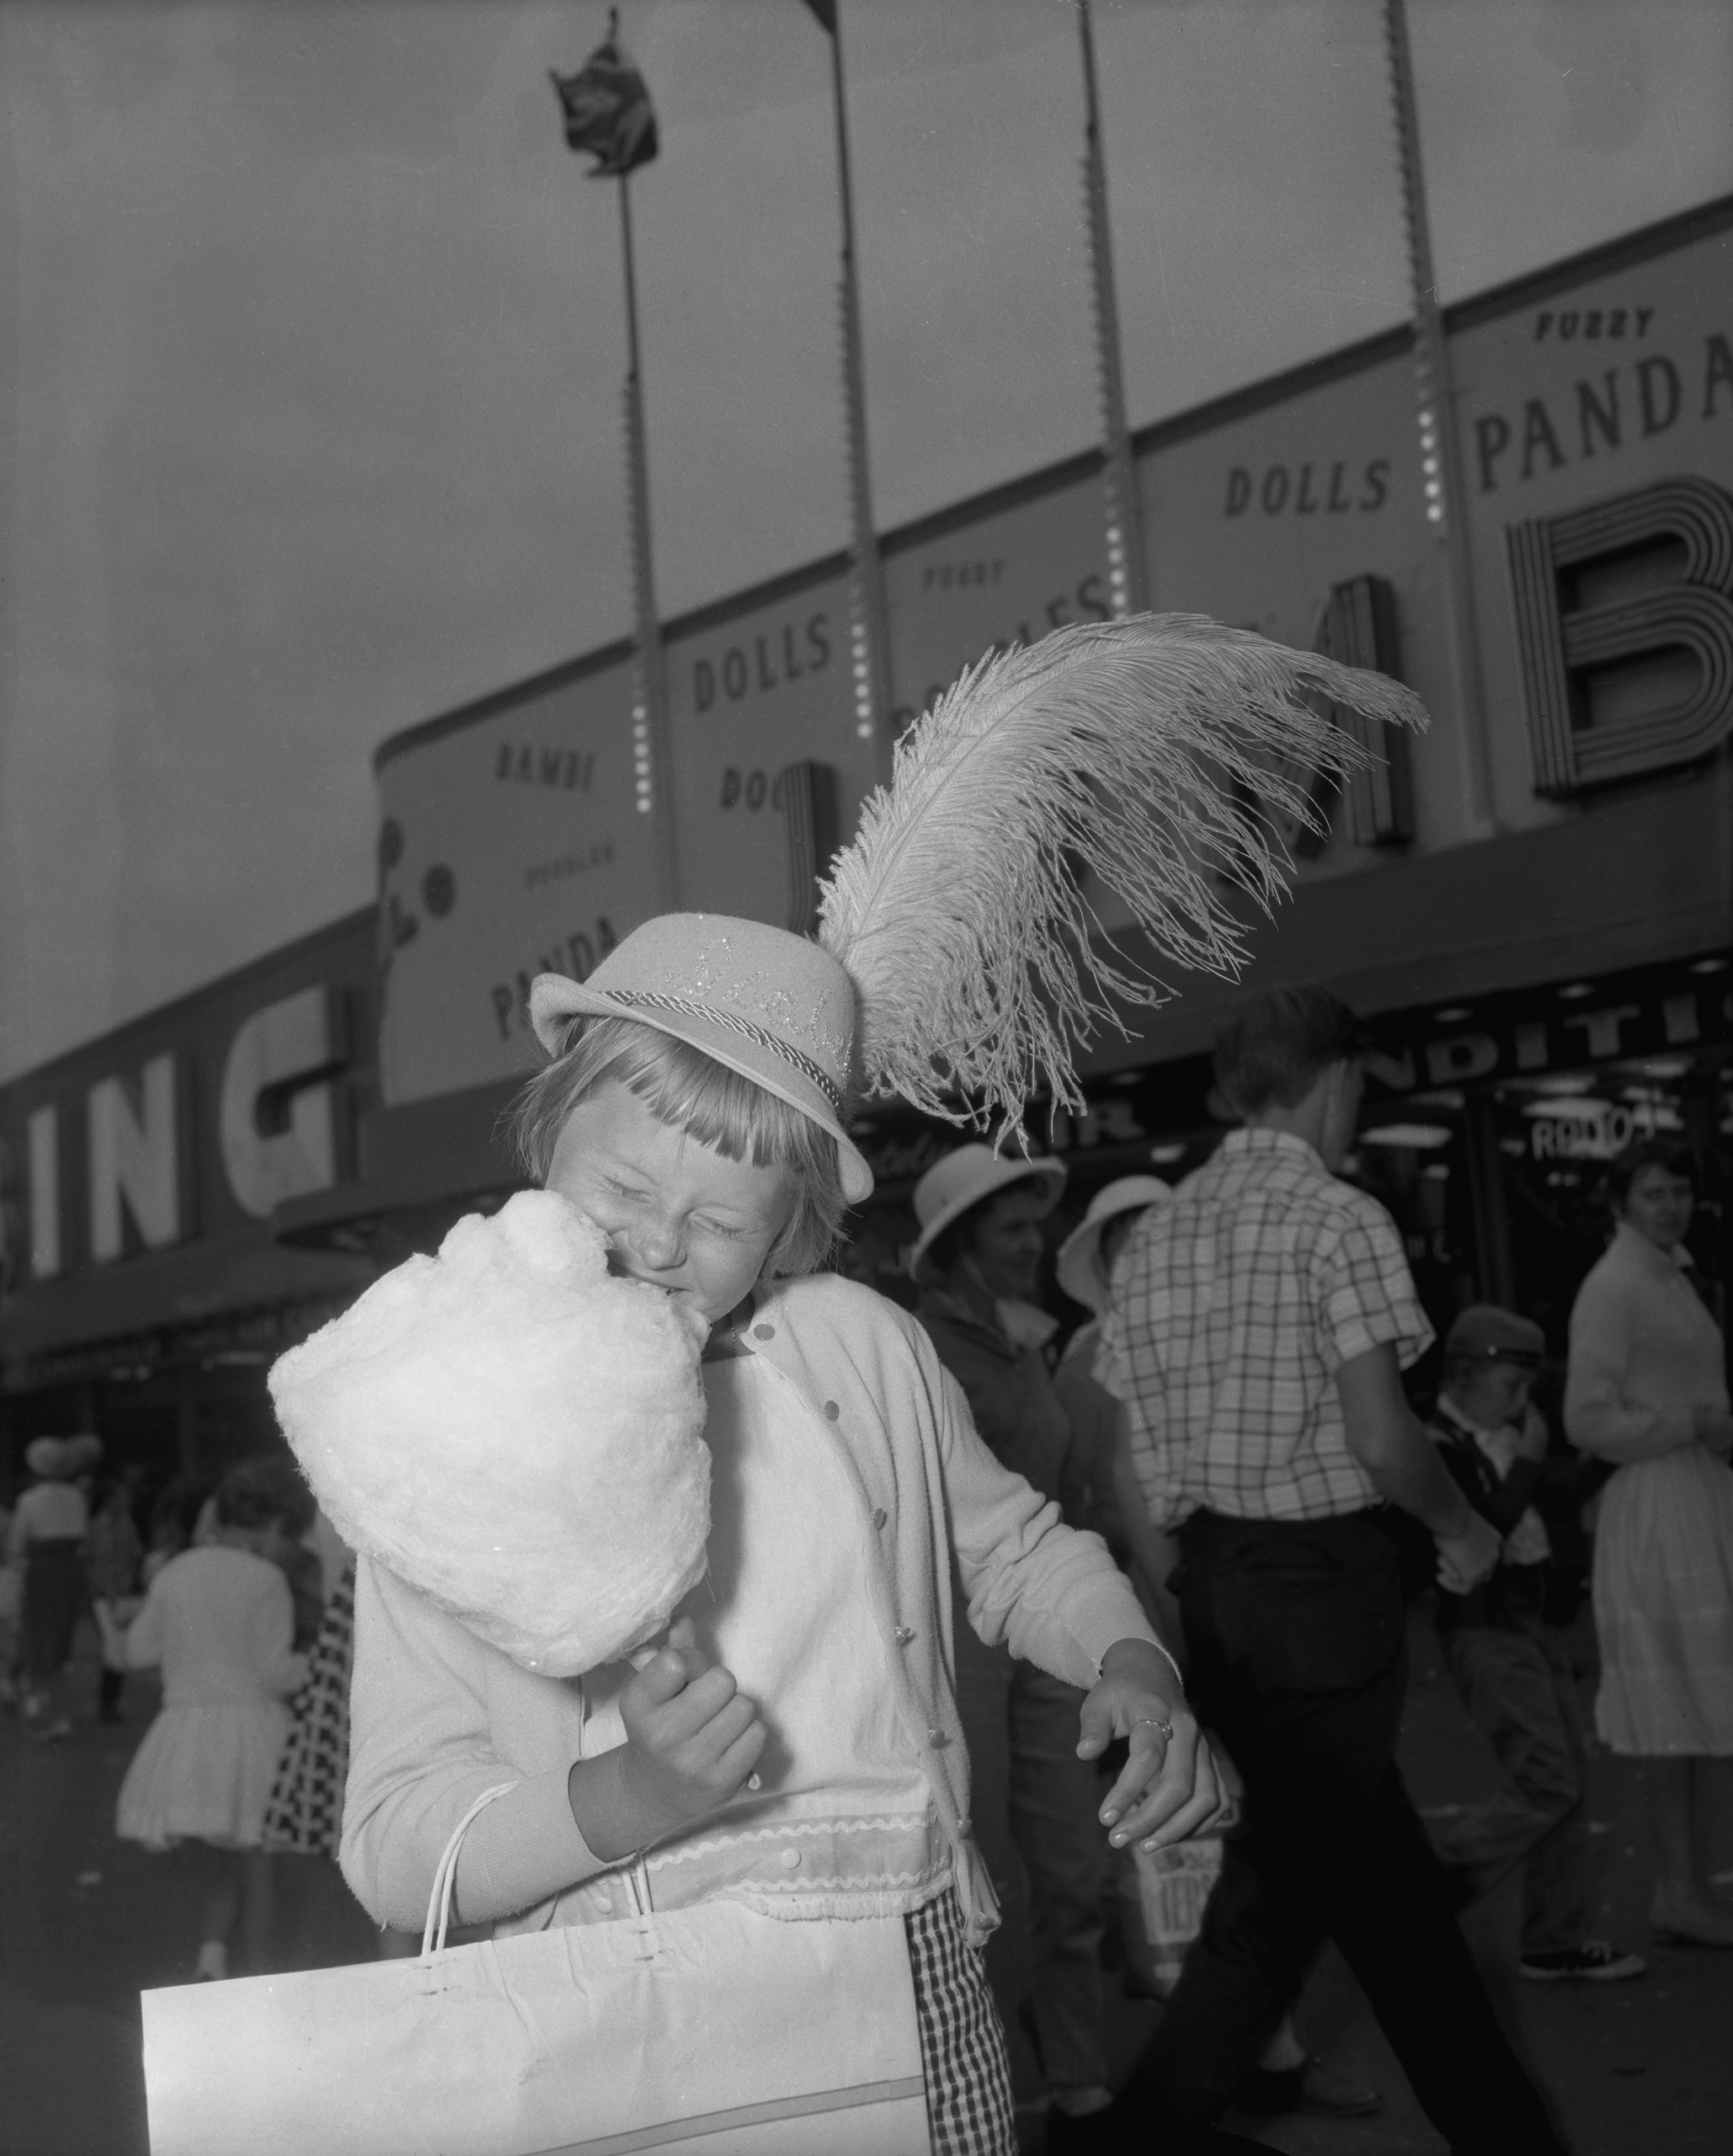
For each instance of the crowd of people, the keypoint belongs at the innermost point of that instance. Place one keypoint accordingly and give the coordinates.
(1230, 1419)
(1233, 1418)
(242, 1600)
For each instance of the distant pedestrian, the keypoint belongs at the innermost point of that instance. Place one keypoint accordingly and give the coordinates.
(113, 1553)
(1260, 1324)
(1510, 1666)
(1084, 1267)
(305, 1815)
(1647, 1388)
(221, 1621)
(174, 1516)
(977, 1264)
(46, 1540)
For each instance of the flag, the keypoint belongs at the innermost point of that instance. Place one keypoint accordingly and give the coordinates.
(607, 111)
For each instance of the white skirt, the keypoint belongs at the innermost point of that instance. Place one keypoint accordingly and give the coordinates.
(1663, 1591)
(203, 1773)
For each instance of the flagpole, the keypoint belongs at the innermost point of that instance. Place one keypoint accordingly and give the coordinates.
(870, 674)
(653, 761)
(1440, 442)
(1127, 582)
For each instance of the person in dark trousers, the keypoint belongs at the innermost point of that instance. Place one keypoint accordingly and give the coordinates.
(1259, 1328)
(1508, 1664)
(976, 1263)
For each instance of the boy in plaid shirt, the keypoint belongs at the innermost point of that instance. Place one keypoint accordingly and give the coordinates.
(1259, 1326)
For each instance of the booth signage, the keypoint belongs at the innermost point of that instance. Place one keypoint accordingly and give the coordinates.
(179, 1140)
(1598, 428)
(509, 844)
(1527, 1033)
(1606, 598)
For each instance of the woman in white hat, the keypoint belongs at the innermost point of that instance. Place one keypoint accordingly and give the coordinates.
(977, 1263)
(46, 1539)
(1084, 1266)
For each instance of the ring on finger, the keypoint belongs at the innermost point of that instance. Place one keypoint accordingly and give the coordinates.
(1148, 1721)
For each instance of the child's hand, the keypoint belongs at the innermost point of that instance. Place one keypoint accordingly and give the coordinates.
(1170, 1787)
(692, 1738)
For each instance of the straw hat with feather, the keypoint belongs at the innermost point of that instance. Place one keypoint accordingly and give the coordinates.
(958, 964)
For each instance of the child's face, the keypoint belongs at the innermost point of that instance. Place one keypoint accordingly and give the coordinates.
(675, 1213)
(1492, 1394)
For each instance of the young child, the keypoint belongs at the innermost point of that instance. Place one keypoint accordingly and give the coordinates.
(1515, 1679)
(795, 1744)
(221, 1621)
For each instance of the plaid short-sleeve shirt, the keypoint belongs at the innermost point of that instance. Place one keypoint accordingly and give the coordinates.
(1233, 1308)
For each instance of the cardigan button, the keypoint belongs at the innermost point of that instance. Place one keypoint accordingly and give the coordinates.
(880, 1516)
(764, 1332)
(790, 1859)
(832, 1410)
(904, 1633)
(937, 1738)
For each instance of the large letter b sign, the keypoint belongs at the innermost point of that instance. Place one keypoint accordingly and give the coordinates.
(1624, 619)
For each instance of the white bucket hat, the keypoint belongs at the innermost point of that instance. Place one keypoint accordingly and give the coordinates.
(1079, 1268)
(963, 1179)
(770, 1005)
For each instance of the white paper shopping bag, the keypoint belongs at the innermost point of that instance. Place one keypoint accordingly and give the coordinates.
(712, 2027)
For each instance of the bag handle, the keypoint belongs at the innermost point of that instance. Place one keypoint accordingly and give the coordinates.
(439, 1901)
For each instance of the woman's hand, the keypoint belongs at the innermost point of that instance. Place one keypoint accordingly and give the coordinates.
(1171, 1787)
(692, 1740)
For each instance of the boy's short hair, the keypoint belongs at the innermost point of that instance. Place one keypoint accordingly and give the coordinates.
(259, 1492)
(1271, 1053)
(689, 1091)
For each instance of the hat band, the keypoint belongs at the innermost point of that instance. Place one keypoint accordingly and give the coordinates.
(815, 1072)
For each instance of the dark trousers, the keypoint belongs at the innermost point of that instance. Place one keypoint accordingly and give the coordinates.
(1297, 1638)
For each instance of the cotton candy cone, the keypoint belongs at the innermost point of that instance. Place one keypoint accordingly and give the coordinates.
(515, 1431)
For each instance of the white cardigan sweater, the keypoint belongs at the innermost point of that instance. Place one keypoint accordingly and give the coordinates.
(438, 1716)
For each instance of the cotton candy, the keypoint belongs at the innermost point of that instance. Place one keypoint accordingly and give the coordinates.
(515, 1431)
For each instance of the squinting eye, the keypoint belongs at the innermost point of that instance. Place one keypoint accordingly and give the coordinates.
(716, 1228)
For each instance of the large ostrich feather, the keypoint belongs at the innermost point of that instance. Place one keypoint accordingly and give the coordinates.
(1158, 752)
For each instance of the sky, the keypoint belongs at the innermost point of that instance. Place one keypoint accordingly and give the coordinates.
(311, 348)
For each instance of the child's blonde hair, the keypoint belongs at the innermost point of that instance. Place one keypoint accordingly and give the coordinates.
(689, 1091)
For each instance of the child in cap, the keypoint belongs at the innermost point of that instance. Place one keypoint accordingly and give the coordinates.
(1507, 1662)
(802, 1704)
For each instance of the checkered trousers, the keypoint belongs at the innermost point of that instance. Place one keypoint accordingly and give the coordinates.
(969, 2098)
(1233, 1309)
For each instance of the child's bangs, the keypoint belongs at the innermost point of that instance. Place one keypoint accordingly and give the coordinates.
(689, 1091)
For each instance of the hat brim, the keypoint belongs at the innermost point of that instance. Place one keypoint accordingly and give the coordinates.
(1525, 1359)
(1008, 1173)
(554, 998)
(1074, 1266)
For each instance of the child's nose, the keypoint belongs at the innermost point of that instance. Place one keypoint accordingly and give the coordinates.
(659, 1244)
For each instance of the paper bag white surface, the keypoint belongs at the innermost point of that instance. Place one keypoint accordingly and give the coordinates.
(516, 1432)
(712, 2028)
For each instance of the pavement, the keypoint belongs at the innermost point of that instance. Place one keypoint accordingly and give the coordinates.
(1638, 2068)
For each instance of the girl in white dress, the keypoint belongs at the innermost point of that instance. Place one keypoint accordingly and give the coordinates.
(1647, 1387)
(221, 1621)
